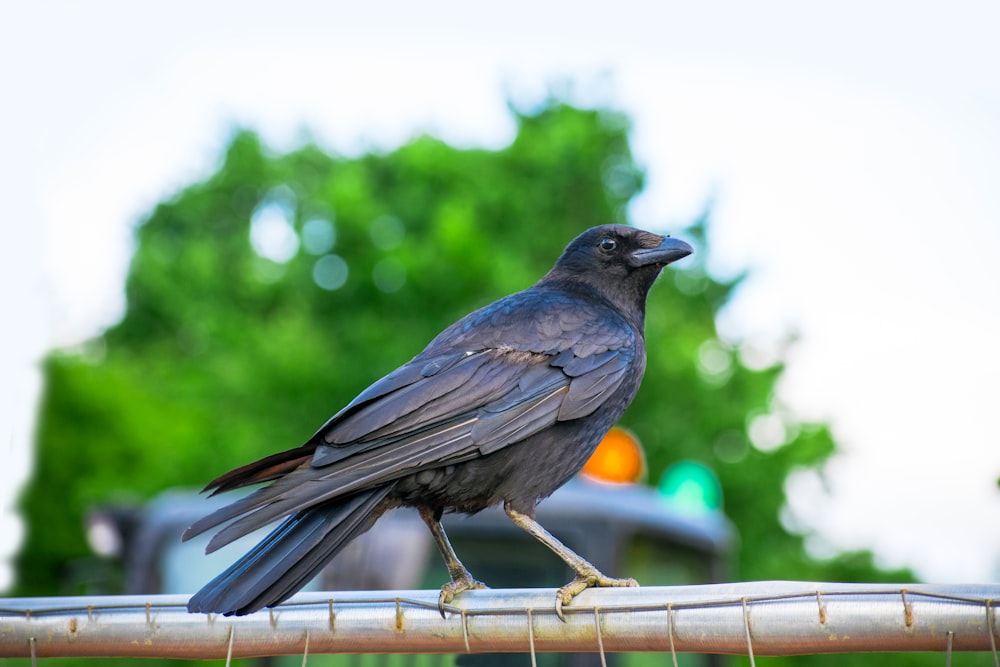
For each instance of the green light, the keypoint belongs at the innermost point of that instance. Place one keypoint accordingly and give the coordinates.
(691, 488)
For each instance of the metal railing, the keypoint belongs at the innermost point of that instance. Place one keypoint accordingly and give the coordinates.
(754, 618)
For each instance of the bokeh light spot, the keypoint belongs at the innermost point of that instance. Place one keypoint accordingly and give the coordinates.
(330, 272)
(620, 178)
(319, 235)
(619, 458)
(767, 432)
(691, 488)
(715, 362)
(271, 233)
(731, 446)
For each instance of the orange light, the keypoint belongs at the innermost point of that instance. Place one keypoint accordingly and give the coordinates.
(618, 458)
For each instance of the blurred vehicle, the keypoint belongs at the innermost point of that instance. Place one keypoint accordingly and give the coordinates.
(673, 535)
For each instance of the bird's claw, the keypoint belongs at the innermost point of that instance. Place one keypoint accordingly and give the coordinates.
(582, 582)
(454, 587)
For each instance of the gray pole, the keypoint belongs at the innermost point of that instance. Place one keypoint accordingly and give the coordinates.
(758, 618)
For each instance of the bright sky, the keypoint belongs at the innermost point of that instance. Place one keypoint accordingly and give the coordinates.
(852, 155)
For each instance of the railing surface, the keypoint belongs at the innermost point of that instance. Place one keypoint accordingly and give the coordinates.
(755, 618)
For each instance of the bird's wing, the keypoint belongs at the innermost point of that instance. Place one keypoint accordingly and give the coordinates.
(540, 355)
(517, 341)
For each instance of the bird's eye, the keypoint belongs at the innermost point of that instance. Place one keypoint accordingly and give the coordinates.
(607, 244)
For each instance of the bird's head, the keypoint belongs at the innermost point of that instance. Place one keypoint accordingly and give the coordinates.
(618, 261)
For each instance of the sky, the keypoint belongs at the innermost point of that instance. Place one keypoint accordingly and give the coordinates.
(850, 153)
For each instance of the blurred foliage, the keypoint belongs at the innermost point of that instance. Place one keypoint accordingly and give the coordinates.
(225, 355)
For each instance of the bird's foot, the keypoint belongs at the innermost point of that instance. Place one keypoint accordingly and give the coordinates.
(463, 582)
(586, 580)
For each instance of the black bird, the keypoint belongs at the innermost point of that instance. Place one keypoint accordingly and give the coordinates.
(505, 405)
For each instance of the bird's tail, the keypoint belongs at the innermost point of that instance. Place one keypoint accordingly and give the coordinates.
(288, 558)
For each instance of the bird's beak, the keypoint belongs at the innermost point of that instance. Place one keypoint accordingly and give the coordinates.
(670, 250)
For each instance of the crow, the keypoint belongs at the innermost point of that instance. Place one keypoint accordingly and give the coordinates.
(504, 406)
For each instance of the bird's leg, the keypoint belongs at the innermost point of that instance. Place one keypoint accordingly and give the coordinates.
(461, 579)
(586, 574)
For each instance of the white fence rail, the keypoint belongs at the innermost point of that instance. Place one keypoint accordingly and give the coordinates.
(755, 618)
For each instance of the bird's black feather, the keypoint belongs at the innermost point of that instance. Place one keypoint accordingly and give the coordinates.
(289, 557)
(504, 405)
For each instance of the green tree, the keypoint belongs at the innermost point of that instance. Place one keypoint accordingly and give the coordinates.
(253, 297)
